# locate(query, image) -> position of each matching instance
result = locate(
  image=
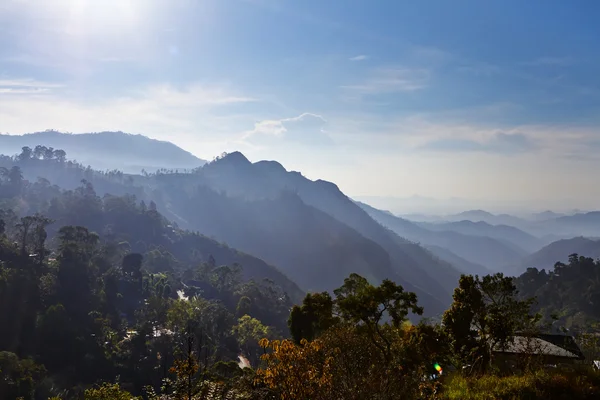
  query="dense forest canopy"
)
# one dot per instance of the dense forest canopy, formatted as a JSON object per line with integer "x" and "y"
{"x": 103, "y": 296}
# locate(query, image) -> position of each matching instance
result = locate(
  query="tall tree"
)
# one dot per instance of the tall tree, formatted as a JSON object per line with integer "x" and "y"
{"x": 485, "y": 315}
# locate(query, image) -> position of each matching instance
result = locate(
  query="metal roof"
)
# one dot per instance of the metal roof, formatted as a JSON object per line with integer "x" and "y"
{"x": 534, "y": 345}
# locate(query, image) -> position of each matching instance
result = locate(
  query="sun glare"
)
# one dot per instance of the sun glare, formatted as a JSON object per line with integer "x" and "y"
{"x": 113, "y": 13}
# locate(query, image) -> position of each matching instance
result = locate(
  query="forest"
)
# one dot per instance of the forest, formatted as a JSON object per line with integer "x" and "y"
{"x": 104, "y": 297}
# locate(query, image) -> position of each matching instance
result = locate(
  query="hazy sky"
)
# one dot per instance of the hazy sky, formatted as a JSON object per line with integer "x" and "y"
{"x": 490, "y": 100}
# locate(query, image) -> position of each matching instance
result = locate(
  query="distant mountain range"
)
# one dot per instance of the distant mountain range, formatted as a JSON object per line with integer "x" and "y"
{"x": 476, "y": 249}
{"x": 309, "y": 230}
{"x": 107, "y": 150}
{"x": 560, "y": 250}
{"x": 547, "y": 226}
{"x": 504, "y": 233}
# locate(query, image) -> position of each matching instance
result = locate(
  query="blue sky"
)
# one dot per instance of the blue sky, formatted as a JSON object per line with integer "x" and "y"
{"x": 494, "y": 101}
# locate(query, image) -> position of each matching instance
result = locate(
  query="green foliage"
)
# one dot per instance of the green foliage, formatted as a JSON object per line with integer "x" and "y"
{"x": 18, "y": 377}
{"x": 108, "y": 391}
{"x": 567, "y": 296}
{"x": 313, "y": 318}
{"x": 94, "y": 289}
{"x": 484, "y": 316}
{"x": 539, "y": 385}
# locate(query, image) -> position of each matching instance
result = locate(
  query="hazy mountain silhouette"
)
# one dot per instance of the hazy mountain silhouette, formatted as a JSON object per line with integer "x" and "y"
{"x": 504, "y": 233}
{"x": 545, "y": 215}
{"x": 238, "y": 177}
{"x": 463, "y": 265}
{"x": 489, "y": 252}
{"x": 107, "y": 150}
{"x": 560, "y": 250}
{"x": 278, "y": 216}
{"x": 492, "y": 219}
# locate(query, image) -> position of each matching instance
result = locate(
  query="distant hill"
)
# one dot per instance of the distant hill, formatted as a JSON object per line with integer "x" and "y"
{"x": 505, "y": 233}
{"x": 107, "y": 150}
{"x": 465, "y": 266}
{"x": 308, "y": 229}
{"x": 545, "y": 215}
{"x": 492, "y": 219}
{"x": 417, "y": 270}
{"x": 489, "y": 252}
{"x": 560, "y": 250}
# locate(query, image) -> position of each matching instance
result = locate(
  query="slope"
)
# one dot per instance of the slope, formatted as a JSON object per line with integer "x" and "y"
{"x": 107, "y": 150}
{"x": 504, "y": 233}
{"x": 464, "y": 266}
{"x": 236, "y": 176}
{"x": 141, "y": 227}
{"x": 485, "y": 251}
{"x": 241, "y": 203}
{"x": 557, "y": 251}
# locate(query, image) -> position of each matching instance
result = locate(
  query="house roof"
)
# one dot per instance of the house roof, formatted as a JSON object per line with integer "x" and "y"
{"x": 540, "y": 346}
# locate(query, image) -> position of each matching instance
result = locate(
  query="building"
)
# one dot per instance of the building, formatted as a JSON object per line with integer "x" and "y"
{"x": 543, "y": 349}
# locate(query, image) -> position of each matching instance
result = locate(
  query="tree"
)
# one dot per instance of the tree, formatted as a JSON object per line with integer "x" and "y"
{"x": 296, "y": 372}
{"x": 359, "y": 302}
{"x": 60, "y": 155}
{"x": 243, "y": 307}
{"x": 48, "y": 153}
{"x": 132, "y": 265}
{"x": 39, "y": 151}
{"x": 313, "y": 318}
{"x": 484, "y": 316}
{"x": 26, "y": 153}
{"x": 18, "y": 378}
{"x": 248, "y": 332}
{"x": 108, "y": 391}
{"x": 15, "y": 180}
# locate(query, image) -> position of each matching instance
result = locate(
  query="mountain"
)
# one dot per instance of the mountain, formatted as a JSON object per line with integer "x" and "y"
{"x": 492, "y": 219}
{"x": 585, "y": 224}
{"x": 133, "y": 226}
{"x": 505, "y": 233}
{"x": 237, "y": 178}
{"x": 309, "y": 229}
{"x": 482, "y": 250}
{"x": 567, "y": 294}
{"x": 107, "y": 150}
{"x": 560, "y": 250}
{"x": 545, "y": 215}
{"x": 463, "y": 265}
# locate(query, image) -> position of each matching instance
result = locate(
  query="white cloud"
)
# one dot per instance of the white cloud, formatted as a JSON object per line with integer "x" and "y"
{"x": 551, "y": 61}
{"x": 27, "y": 83}
{"x": 24, "y": 86}
{"x": 306, "y": 128}
{"x": 392, "y": 80}
{"x": 360, "y": 57}
{"x": 200, "y": 118}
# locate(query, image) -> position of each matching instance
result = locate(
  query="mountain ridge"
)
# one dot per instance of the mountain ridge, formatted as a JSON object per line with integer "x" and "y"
{"x": 108, "y": 149}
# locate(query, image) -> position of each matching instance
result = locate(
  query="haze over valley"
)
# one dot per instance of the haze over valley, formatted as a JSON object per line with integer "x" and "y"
{"x": 299, "y": 200}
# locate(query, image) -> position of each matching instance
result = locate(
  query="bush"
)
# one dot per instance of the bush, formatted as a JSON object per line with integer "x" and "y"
{"x": 561, "y": 384}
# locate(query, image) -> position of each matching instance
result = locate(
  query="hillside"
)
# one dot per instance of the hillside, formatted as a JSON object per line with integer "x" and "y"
{"x": 107, "y": 150}
{"x": 504, "y": 233}
{"x": 251, "y": 208}
{"x": 485, "y": 216}
{"x": 142, "y": 230}
{"x": 567, "y": 293}
{"x": 465, "y": 266}
{"x": 481, "y": 250}
{"x": 237, "y": 177}
{"x": 581, "y": 224}
{"x": 559, "y": 251}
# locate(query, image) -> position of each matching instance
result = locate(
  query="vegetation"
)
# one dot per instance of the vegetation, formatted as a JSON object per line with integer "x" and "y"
{"x": 104, "y": 298}
{"x": 568, "y": 295}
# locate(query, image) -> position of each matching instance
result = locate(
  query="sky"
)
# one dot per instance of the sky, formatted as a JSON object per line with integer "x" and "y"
{"x": 492, "y": 102}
